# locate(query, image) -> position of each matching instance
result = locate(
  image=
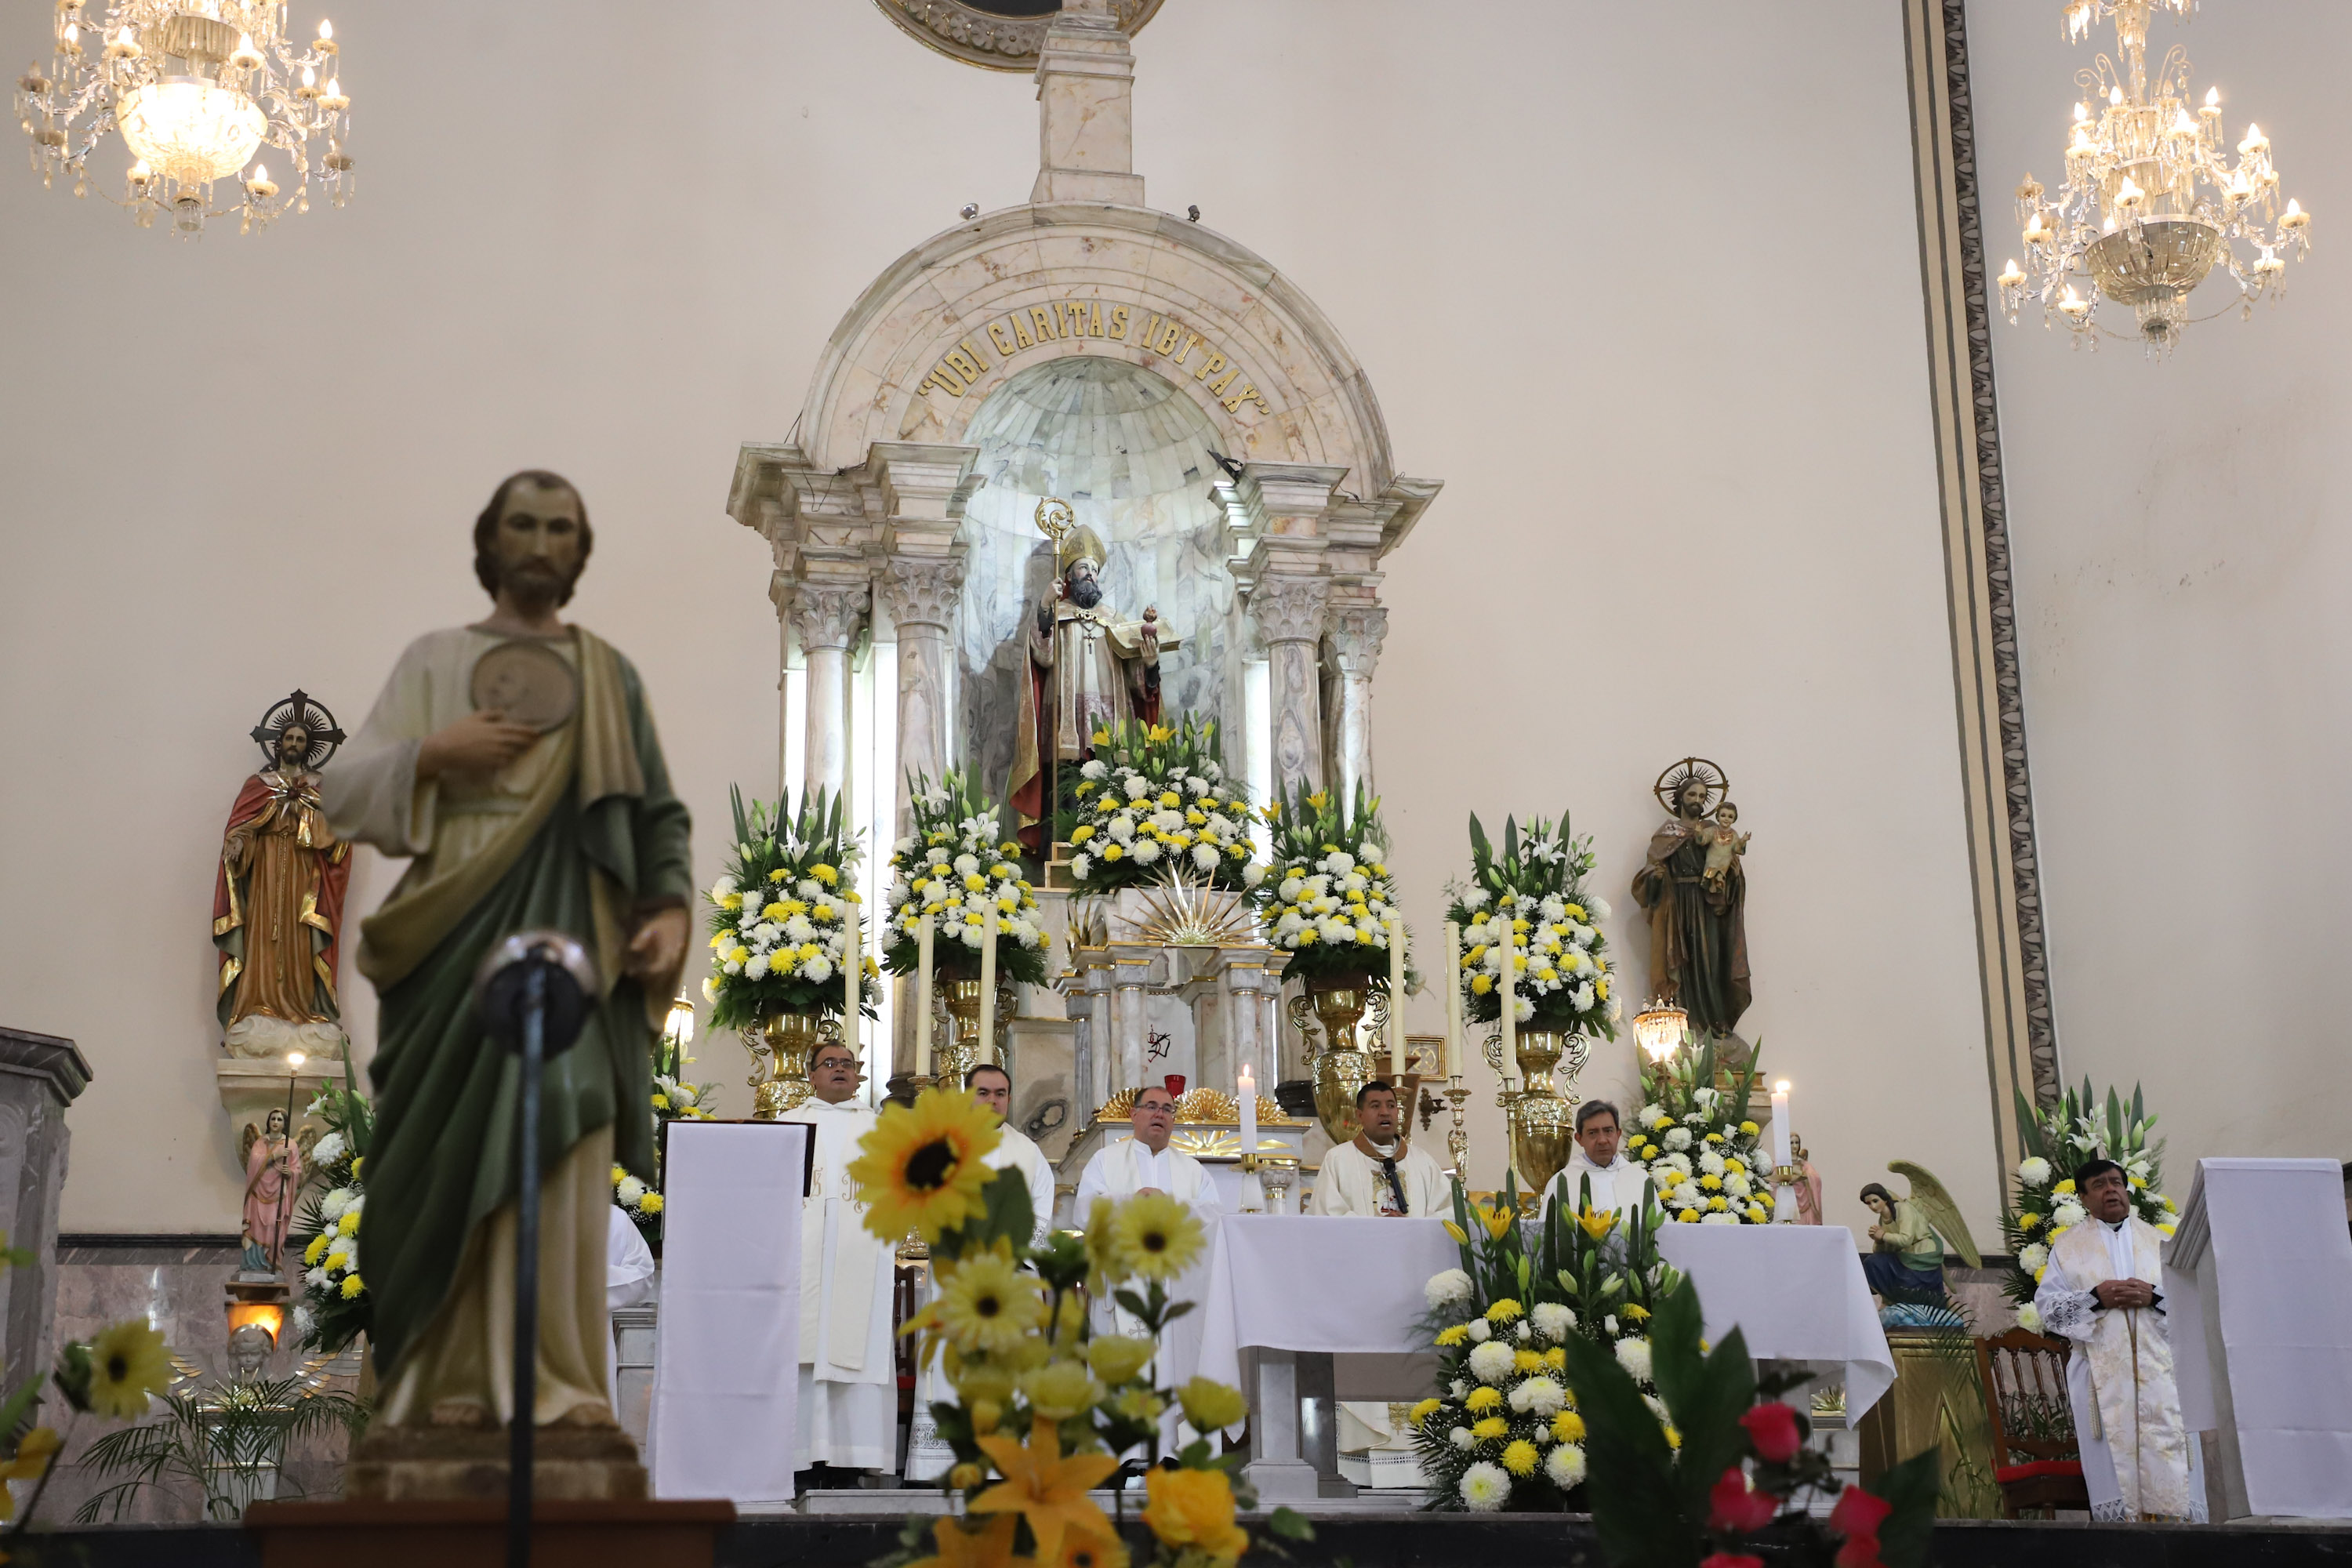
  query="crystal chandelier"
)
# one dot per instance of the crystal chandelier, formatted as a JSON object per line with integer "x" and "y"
{"x": 196, "y": 87}
{"x": 2151, "y": 202}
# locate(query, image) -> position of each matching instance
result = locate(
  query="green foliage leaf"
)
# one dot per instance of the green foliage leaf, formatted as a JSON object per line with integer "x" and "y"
{"x": 1910, "y": 1489}
{"x": 1011, "y": 1215}
{"x": 1290, "y": 1524}
{"x": 1637, "y": 1509}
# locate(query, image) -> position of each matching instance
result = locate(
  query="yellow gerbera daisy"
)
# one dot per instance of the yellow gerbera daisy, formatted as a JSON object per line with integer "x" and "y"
{"x": 922, "y": 1170}
{"x": 1158, "y": 1237}
{"x": 128, "y": 1362}
{"x": 986, "y": 1304}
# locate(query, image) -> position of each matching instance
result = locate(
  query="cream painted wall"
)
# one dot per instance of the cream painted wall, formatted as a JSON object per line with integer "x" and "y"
{"x": 1689, "y": 500}
{"x": 2182, "y": 570}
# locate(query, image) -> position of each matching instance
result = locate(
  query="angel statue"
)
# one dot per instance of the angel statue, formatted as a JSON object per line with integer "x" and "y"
{"x": 273, "y": 1174}
{"x": 1905, "y": 1263}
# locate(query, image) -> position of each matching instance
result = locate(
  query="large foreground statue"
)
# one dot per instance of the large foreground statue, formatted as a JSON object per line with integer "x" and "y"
{"x": 515, "y": 761}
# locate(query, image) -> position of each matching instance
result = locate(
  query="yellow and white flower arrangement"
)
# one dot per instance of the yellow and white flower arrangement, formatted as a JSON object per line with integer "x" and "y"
{"x": 1045, "y": 1404}
{"x": 1326, "y": 894}
{"x": 2058, "y": 1142}
{"x": 1153, "y": 799}
{"x": 1701, "y": 1147}
{"x": 961, "y": 869}
{"x": 1527, "y": 908}
{"x": 778, "y": 917}
{"x": 335, "y": 1306}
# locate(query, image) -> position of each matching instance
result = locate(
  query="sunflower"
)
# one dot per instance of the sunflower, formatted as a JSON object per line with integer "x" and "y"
{"x": 1157, "y": 1235}
{"x": 128, "y": 1362}
{"x": 987, "y": 1304}
{"x": 922, "y": 1170}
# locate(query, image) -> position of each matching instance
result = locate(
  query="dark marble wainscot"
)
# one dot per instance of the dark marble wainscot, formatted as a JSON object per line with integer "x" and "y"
{"x": 177, "y": 1282}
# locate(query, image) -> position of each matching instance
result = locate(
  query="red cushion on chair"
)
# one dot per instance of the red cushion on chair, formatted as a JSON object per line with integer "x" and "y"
{"x": 2009, "y": 1473}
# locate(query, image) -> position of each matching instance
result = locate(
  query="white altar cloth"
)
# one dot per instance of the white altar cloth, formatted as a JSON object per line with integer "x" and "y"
{"x": 2256, "y": 1281}
{"x": 1796, "y": 1292}
{"x": 727, "y": 1366}
{"x": 1301, "y": 1282}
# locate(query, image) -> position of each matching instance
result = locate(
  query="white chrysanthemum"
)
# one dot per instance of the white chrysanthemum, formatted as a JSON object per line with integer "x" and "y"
{"x": 2031, "y": 1257}
{"x": 758, "y": 967}
{"x": 1122, "y": 828}
{"x": 1719, "y": 1216}
{"x": 1540, "y": 1397}
{"x": 1253, "y": 873}
{"x": 1738, "y": 1185}
{"x": 818, "y": 969}
{"x": 965, "y": 864}
{"x": 1633, "y": 1355}
{"x": 1094, "y": 769}
{"x": 936, "y": 857}
{"x": 1205, "y": 855}
{"x": 1340, "y": 862}
{"x": 1706, "y": 1097}
{"x": 800, "y": 929}
{"x": 2069, "y": 1213}
{"x": 1681, "y": 1162}
{"x": 627, "y": 1191}
{"x": 809, "y": 888}
{"x": 1146, "y": 852}
{"x": 1677, "y": 1138}
{"x": 1485, "y": 1486}
{"x": 1583, "y": 997}
{"x": 2029, "y": 1318}
{"x": 1138, "y": 786}
{"x": 1449, "y": 1288}
{"x": 316, "y": 1279}
{"x": 1651, "y": 1115}
{"x": 1079, "y": 865}
{"x": 1710, "y": 1163}
{"x": 1480, "y": 1331}
{"x": 1553, "y": 1321}
{"x": 332, "y": 1205}
{"x": 1597, "y": 907}
{"x": 2033, "y": 1170}
{"x": 1458, "y": 1390}
{"x": 327, "y": 1150}
{"x": 1565, "y": 1466}
{"x": 1493, "y": 1362}
{"x": 1461, "y": 1438}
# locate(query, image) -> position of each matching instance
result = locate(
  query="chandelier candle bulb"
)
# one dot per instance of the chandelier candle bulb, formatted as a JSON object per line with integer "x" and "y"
{"x": 2010, "y": 275}
{"x": 1453, "y": 999}
{"x": 923, "y": 998}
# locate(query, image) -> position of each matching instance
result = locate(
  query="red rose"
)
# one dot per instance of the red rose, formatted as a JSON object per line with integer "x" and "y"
{"x": 1772, "y": 1429}
{"x": 1732, "y": 1507}
{"x": 1859, "y": 1552}
{"x": 1730, "y": 1559}
{"x": 1859, "y": 1512}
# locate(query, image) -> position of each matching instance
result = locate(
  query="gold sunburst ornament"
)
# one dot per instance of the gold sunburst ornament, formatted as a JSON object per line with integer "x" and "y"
{"x": 1180, "y": 912}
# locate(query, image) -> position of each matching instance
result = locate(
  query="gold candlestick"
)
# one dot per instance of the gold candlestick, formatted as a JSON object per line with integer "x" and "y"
{"x": 1457, "y": 1141}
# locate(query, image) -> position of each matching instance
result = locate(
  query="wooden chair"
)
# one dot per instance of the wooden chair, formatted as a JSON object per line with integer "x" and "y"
{"x": 2036, "y": 1461}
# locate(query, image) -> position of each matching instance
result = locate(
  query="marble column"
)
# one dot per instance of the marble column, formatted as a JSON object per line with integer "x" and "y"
{"x": 1289, "y": 612}
{"x": 1131, "y": 1019}
{"x": 40, "y": 1075}
{"x": 1356, "y": 633}
{"x": 826, "y": 618}
{"x": 921, "y": 593}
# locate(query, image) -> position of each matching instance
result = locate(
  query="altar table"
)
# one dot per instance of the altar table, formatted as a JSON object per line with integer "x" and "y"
{"x": 1300, "y": 1288}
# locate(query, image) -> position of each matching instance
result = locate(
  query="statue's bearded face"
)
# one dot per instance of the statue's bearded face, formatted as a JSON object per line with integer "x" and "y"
{"x": 293, "y": 747}
{"x": 1693, "y": 799}
{"x": 539, "y": 545}
{"x": 1085, "y": 587}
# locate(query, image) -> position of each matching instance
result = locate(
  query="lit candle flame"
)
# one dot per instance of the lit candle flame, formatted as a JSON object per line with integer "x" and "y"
{"x": 2212, "y": 97}
{"x": 2116, "y": 95}
{"x": 2081, "y": 112}
{"x": 326, "y": 28}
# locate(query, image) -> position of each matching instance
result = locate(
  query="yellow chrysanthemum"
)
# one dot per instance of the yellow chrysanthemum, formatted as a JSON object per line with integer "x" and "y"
{"x": 1425, "y": 1410}
{"x": 1751, "y": 1128}
{"x": 1483, "y": 1399}
{"x": 316, "y": 1250}
{"x": 1520, "y": 1457}
{"x": 353, "y": 1287}
{"x": 1635, "y": 1312}
{"x": 650, "y": 1204}
{"x": 128, "y": 1362}
{"x": 1673, "y": 1435}
{"x": 1525, "y": 1360}
{"x": 2026, "y": 1222}
{"x": 1081, "y": 833}
{"x": 1556, "y": 1359}
{"x": 2062, "y": 1188}
{"x": 1453, "y": 1333}
{"x": 1504, "y": 1311}
{"x": 826, "y": 874}
{"x": 1568, "y": 1426}
{"x": 1158, "y": 1237}
{"x": 1488, "y": 1430}
{"x": 921, "y": 1168}
{"x": 987, "y": 1304}
{"x": 1113, "y": 852}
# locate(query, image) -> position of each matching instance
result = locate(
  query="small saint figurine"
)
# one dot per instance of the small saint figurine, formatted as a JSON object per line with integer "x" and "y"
{"x": 278, "y": 894}
{"x": 273, "y": 1174}
{"x": 1088, "y": 672}
{"x": 1695, "y": 890}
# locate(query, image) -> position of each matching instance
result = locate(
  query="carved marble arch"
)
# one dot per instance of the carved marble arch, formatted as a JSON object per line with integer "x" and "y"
{"x": 900, "y": 367}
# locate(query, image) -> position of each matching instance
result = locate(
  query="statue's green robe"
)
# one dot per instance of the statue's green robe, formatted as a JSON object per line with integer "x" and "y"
{"x": 581, "y": 834}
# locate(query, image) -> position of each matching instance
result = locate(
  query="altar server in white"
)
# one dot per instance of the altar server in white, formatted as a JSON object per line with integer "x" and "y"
{"x": 1616, "y": 1181}
{"x": 1143, "y": 1162}
{"x": 929, "y": 1456}
{"x": 992, "y": 1087}
{"x": 849, "y": 1379}
{"x": 2099, "y": 1289}
{"x": 1380, "y": 1174}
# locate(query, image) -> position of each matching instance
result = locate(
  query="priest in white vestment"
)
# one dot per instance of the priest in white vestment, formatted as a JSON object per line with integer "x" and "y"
{"x": 1616, "y": 1181}
{"x": 928, "y": 1456}
{"x": 849, "y": 1377}
{"x": 1143, "y": 1162}
{"x": 1380, "y": 1174}
{"x": 2099, "y": 1289}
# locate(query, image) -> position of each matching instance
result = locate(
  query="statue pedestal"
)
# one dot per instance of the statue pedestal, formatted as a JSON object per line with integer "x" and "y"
{"x": 408, "y": 1465}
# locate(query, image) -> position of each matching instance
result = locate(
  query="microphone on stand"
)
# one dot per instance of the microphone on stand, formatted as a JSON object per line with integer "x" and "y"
{"x": 533, "y": 993}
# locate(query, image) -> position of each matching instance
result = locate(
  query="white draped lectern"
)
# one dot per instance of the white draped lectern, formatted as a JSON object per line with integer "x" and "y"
{"x": 2257, "y": 1281}
{"x": 726, "y": 1373}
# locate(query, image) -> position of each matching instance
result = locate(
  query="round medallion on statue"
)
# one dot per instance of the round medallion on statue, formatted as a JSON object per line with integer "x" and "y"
{"x": 998, "y": 35}
{"x": 528, "y": 682}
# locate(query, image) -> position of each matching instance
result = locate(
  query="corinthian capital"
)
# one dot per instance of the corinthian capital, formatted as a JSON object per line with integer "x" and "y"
{"x": 1290, "y": 609}
{"x": 1356, "y": 633}
{"x": 922, "y": 590}
{"x": 828, "y": 615}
